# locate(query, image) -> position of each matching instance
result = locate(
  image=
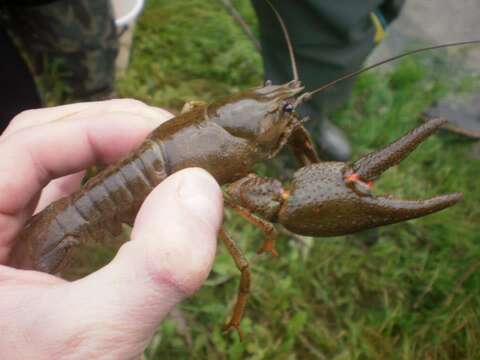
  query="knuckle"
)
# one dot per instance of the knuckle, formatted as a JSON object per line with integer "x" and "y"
{"x": 21, "y": 118}
{"x": 19, "y": 121}
{"x": 126, "y": 104}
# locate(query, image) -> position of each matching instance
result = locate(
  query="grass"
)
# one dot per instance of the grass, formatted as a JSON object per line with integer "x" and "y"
{"x": 414, "y": 293}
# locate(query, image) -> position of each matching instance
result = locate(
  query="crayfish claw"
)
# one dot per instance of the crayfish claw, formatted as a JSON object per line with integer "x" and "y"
{"x": 334, "y": 198}
{"x": 371, "y": 166}
{"x": 383, "y": 210}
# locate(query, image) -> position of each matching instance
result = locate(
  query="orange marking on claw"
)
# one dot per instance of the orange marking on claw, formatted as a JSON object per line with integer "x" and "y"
{"x": 356, "y": 178}
{"x": 352, "y": 178}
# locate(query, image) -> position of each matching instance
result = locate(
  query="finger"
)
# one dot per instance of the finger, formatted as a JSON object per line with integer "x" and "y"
{"x": 170, "y": 255}
{"x": 37, "y": 117}
{"x": 34, "y": 156}
{"x": 29, "y": 118}
{"x": 26, "y": 278}
{"x": 66, "y": 185}
{"x": 31, "y": 157}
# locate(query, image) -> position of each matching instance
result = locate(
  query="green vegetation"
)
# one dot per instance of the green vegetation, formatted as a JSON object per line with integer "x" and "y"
{"x": 414, "y": 293}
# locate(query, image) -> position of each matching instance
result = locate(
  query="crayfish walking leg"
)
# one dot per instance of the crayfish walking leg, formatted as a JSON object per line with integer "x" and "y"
{"x": 267, "y": 227}
{"x": 244, "y": 287}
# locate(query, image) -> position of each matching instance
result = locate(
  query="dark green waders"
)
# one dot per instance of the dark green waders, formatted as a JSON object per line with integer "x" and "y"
{"x": 330, "y": 39}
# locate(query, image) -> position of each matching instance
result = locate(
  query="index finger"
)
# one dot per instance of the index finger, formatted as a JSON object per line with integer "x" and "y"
{"x": 32, "y": 156}
{"x": 37, "y": 117}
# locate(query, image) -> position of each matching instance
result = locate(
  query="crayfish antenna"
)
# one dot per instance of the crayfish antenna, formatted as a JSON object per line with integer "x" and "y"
{"x": 371, "y": 166}
{"x": 308, "y": 95}
{"x": 288, "y": 40}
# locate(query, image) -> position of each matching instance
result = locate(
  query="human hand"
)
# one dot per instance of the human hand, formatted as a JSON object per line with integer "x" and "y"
{"x": 112, "y": 313}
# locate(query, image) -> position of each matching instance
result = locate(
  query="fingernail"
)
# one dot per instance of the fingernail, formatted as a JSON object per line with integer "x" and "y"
{"x": 199, "y": 193}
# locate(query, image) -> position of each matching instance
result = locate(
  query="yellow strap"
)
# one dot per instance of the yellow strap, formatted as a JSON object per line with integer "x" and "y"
{"x": 379, "y": 30}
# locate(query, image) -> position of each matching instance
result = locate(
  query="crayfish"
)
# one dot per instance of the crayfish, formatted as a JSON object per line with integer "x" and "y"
{"x": 226, "y": 138}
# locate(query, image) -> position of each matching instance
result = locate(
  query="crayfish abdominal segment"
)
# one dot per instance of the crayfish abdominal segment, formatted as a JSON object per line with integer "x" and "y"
{"x": 328, "y": 199}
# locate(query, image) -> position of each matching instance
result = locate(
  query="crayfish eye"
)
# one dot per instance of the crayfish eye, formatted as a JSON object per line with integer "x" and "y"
{"x": 287, "y": 108}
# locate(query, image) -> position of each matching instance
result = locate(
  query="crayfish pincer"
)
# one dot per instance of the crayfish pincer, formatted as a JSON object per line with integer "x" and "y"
{"x": 334, "y": 198}
{"x": 328, "y": 199}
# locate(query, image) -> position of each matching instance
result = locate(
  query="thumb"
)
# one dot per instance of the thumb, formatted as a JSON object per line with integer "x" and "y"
{"x": 170, "y": 255}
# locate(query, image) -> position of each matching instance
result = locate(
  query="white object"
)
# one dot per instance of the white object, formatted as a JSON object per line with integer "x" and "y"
{"x": 126, "y": 11}
{"x": 125, "y": 15}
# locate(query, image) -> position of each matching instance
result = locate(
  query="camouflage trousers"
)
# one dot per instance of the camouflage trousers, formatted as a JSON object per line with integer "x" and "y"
{"x": 71, "y": 43}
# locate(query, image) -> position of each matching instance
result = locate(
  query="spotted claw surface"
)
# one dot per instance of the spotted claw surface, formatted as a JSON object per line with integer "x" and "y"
{"x": 334, "y": 198}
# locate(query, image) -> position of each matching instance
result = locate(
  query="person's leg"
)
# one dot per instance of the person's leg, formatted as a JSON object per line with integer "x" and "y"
{"x": 77, "y": 38}
{"x": 18, "y": 90}
{"x": 330, "y": 39}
